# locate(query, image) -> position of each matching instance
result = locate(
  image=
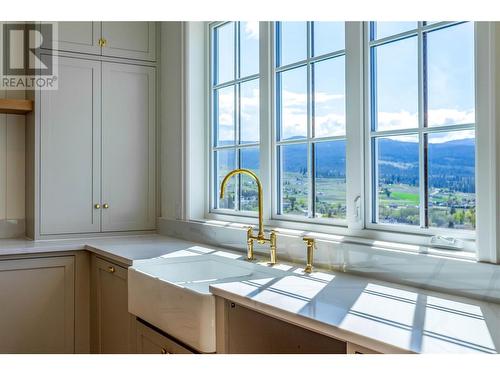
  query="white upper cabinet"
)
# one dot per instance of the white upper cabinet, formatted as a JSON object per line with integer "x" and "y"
{"x": 130, "y": 40}
{"x": 128, "y": 147}
{"x": 78, "y": 37}
{"x": 70, "y": 122}
{"x": 133, "y": 40}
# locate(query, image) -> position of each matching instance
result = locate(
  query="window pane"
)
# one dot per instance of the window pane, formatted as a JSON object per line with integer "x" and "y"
{"x": 328, "y": 37}
{"x": 450, "y": 71}
{"x": 385, "y": 29}
{"x": 249, "y": 111}
{"x": 294, "y": 179}
{"x": 398, "y": 179}
{"x": 330, "y": 183}
{"x": 292, "y": 42}
{"x": 249, "y": 159}
{"x": 395, "y": 80}
{"x": 225, "y": 162}
{"x": 292, "y": 96}
{"x": 249, "y": 48}
{"x": 224, "y": 36}
{"x": 329, "y": 97}
{"x": 452, "y": 198}
{"x": 224, "y": 115}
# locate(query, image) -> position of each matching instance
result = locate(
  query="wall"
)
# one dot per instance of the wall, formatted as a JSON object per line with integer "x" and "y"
{"x": 12, "y": 173}
{"x": 12, "y": 129}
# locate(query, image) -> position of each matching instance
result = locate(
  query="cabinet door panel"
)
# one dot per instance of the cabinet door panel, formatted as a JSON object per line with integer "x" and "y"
{"x": 70, "y": 144}
{"x": 133, "y": 40}
{"x": 77, "y": 37}
{"x": 37, "y": 299}
{"x": 152, "y": 342}
{"x": 111, "y": 322}
{"x": 128, "y": 147}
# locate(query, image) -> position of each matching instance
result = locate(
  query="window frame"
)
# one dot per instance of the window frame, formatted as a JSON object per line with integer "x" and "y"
{"x": 309, "y": 140}
{"x": 212, "y": 143}
{"x": 356, "y": 229}
{"x": 370, "y": 178}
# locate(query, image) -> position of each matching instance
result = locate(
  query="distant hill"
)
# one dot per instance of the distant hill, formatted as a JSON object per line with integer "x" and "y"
{"x": 451, "y": 164}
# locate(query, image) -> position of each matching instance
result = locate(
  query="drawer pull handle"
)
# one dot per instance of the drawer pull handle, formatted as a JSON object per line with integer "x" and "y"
{"x": 111, "y": 269}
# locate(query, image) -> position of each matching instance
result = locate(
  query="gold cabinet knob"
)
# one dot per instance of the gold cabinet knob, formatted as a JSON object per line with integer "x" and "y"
{"x": 111, "y": 269}
{"x": 97, "y": 206}
{"x": 102, "y": 42}
{"x": 105, "y": 205}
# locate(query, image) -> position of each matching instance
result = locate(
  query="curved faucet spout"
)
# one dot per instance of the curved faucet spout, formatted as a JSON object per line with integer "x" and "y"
{"x": 259, "y": 192}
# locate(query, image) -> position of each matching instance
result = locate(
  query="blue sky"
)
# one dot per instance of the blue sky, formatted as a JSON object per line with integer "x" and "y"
{"x": 450, "y": 79}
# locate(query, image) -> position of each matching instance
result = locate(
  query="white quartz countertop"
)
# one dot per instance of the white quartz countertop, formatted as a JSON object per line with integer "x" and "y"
{"x": 379, "y": 315}
{"x": 382, "y": 316}
{"x": 123, "y": 249}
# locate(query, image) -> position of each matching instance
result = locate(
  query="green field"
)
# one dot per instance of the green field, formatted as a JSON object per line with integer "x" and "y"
{"x": 398, "y": 203}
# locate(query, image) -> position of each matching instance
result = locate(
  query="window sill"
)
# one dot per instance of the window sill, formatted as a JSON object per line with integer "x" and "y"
{"x": 410, "y": 242}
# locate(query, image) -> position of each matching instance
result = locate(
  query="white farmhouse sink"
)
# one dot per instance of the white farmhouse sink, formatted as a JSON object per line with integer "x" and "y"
{"x": 173, "y": 293}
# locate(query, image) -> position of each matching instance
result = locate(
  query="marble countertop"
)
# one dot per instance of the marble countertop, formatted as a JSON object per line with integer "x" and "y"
{"x": 385, "y": 317}
{"x": 123, "y": 249}
{"x": 382, "y": 316}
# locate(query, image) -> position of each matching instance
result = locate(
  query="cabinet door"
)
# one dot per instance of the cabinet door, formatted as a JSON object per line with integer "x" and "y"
{"x": 133, "y": 40}
{"x": 70, "y": 125}
{"x": 151, "y": 342}
{"x": 128, "y": 147}
{"x": 80, "y": 37}
{"x": 111, "y": 324}
{"x": 37, "y": 305}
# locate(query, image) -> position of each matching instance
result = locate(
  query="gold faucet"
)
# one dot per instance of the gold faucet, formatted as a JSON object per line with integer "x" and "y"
{"x": 260, "y": 238}
{"x": 310, "y": 253}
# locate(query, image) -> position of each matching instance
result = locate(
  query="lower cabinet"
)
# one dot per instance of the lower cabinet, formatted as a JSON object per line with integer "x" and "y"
{"x": 112, "y": 327}
{"x": 37, "y": 299}
{"x": 250, "y": 332}
{"x": 358, "y": 349}
{"x": 149, "y": 341}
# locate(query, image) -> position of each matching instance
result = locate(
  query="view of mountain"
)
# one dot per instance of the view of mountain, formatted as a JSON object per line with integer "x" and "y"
{"x": 451, "y": 164}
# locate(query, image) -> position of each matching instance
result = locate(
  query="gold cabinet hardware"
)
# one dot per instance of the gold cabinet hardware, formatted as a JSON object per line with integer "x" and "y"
{"x": 310, "y": 243}
{"x": 260, "y": 237}
{"x": 97, "y": 206}
{"x": 102, "y": 42}
{"x": 111, "y": 269}
{"x": 105, "y": 205}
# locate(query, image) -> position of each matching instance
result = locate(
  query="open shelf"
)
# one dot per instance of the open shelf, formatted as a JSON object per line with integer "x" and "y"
{"x": 16, "y": 106}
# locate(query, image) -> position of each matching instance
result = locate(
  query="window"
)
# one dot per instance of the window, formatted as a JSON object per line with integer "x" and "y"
{"x": 310, "y": 119}
{"x": 422, "y": 124}
{"x": 368, "y": 129}
{"x": 234, "y": 90}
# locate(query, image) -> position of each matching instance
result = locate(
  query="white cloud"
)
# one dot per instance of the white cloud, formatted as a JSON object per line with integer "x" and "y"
{"x": 330, "y": 122}
{"x": 450, "y": 117}
{"x": 397, "y": 120}
{"x": 252, "y": 29}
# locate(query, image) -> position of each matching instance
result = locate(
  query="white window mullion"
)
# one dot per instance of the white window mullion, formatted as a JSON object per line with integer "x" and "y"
{"x": 421, "y": 136}
{"x": 487, "y": 141}
{"x": 265, "y": 121}
{"x": 355, "y": 108}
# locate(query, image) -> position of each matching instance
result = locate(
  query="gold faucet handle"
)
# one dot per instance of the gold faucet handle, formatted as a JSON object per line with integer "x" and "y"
{"x": 309, "y": 241}
{"x": 310, "y": 249}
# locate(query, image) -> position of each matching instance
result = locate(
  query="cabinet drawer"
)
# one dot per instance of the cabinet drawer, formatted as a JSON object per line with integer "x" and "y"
{"x": 150, "y": 341}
